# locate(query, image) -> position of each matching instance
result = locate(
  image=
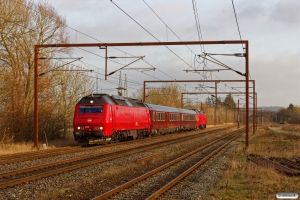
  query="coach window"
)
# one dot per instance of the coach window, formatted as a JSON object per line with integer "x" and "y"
{"x": 110, "y": 109}
{"x": 153, "y": 116}
{"x": 121, "y": 110}
{"x": 138, "y": 112}
{"x": 130, "y": 111}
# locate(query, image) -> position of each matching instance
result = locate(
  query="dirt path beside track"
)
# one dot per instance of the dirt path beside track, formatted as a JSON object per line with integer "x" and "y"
{"x": 279, "y": 129}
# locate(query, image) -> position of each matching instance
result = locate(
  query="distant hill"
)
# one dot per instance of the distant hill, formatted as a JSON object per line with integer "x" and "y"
{"x": 271, "y": 108}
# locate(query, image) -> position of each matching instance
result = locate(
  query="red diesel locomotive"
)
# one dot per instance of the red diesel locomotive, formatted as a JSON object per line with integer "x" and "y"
{"x": 101, "y": 118}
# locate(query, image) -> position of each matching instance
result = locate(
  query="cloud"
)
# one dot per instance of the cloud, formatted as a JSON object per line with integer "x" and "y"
{"x": 286, "y": 12}
{"x": 271, "y": 27}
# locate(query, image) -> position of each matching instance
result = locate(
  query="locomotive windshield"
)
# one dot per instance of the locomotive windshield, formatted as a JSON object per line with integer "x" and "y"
{"x": 90, "y": 109}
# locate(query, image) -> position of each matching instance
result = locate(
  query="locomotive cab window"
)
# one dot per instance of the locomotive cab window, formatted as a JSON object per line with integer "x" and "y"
{"x": 90, "y": 109}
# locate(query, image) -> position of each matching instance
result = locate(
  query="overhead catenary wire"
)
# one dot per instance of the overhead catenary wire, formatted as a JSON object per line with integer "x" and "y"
{"x": 98, "y": 40}
{"x": 168, "y": 27}
{"x": 198, "y": 24}
{"x": 222, "y": 64}
{"x": 149, "y": 32}
{"x": 77, "y": 31}
{"x": 237, "y": 24}
{"x": 200, "y": 38}
{"x": 116, "y": 83}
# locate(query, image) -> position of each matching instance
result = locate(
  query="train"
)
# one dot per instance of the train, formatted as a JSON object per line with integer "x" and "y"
{"x": 104, "y": 118}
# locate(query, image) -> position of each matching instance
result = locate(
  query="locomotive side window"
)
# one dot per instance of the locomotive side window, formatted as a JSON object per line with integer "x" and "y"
{"x": 121, "y": 110}
{"x": 90, "y": 109}
{"x": 110, "y": 109}
{"x": 130, "y": 111}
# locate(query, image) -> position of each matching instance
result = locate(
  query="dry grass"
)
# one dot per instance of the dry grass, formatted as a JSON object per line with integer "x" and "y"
{"x": 291, "y": 127}
{"x": 246, "y": 180}
{"x": 20, "y": 147}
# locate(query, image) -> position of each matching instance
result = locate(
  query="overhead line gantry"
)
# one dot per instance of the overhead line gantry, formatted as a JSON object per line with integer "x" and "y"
{"x": 106, "y": 45}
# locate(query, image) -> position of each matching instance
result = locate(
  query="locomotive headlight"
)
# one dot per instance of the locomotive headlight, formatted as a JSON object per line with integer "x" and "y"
{"x": 78, "y": 127}
{"x": 101, "y": 128}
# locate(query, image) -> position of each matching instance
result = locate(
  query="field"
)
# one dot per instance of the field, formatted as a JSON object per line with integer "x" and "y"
{"x": 242, "y": 179}
{"x": 246, "y": 180}
{"x": 19, "y": 147}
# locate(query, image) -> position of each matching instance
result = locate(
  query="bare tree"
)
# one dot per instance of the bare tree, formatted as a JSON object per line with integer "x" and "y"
{"x": 22, "y": 25}
{"x": 169, "y": 94}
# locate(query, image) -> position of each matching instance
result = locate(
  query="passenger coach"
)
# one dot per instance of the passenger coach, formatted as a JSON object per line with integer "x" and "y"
{"x": 166, "y": 119}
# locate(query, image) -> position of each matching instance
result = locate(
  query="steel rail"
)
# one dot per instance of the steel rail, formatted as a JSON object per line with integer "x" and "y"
{"x": 142, "y": 177}
{"x": 190, "y": 170}
{"x": 268, "y": 163}
{"x": 110, "y": 155}
{"x": 24, "y": 158}
{"x": 47, "y": 153}
{"x": 286, "y": 162}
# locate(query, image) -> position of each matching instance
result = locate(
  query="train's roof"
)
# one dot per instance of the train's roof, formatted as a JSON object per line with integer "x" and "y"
{"x": 169, "y": 109}
{"x": 187, "y": 111}
{"x": 161, "y": 108}
{"x": 111, "y": 99}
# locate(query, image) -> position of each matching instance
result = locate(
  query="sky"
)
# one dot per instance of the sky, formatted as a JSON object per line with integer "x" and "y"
{"x": 271, "y": 27}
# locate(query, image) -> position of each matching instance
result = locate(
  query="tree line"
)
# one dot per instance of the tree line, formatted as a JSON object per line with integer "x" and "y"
{"x": 291, "y": 114}
{"x": 24, "y": 24}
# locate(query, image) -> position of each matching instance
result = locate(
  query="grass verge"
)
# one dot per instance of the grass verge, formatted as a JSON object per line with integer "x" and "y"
{"x": 246, "y": 180}
{"x": 20, "y": 147}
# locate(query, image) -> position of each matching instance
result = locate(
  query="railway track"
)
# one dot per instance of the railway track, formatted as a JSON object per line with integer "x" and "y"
{"x": 15, "y": 177}
{"x": 166, "y": 176}
{"x": 282, "y": 165}
{"x": 7, "y": 159}
{"x": 18, "y": 155}
{"x": 14, "y": 158}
